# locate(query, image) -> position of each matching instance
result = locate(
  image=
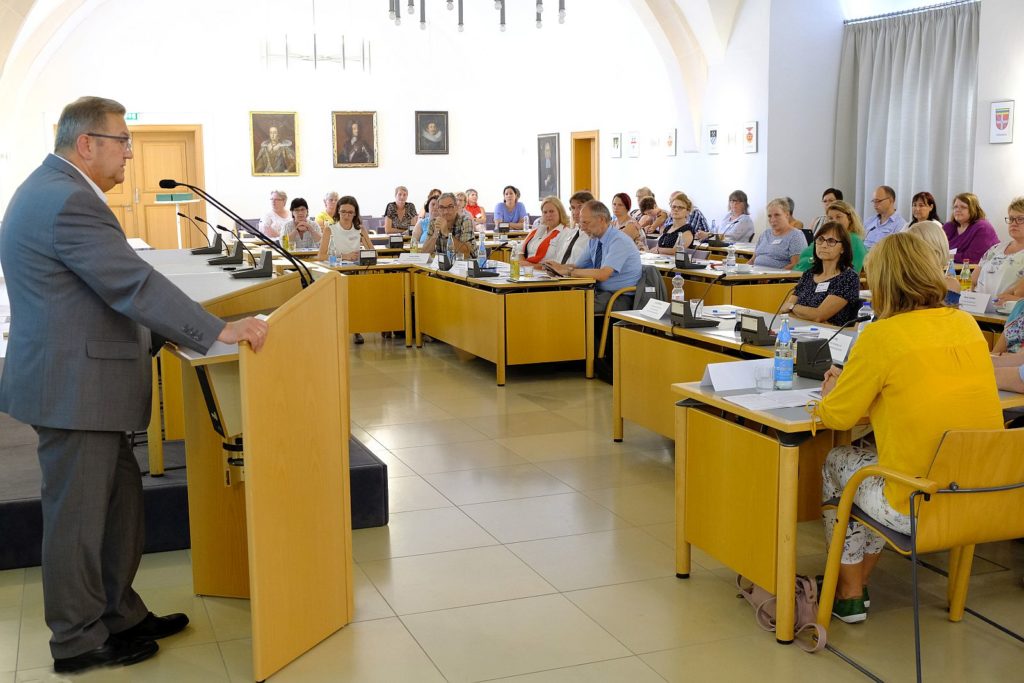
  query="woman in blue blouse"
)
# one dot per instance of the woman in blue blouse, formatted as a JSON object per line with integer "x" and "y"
{"x": 780, "y": 245}
{"x": 511, "y": 210}
{"x": 830, "y": 290}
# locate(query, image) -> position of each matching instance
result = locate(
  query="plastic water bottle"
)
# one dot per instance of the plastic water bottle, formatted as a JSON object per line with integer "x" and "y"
{"x": 784, "y": 352}
{"x": 965, "y": 276}
{"x": 514, "y": 263}
{"x": 481, "y": 252}
{"x": 730, "y": 259}
{"x": 865, "y": 310}
{"x": 285, "y": 242}
{"x": 450, "y": 247}
{"x": 951, "y": 269}
{"x": 714, "y": 228}
{"x": 678, "y": 296}
{"x": 332, "y": 255}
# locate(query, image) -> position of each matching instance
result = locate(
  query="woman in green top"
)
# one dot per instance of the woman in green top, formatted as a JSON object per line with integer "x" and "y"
{"x": 843, "y": 213}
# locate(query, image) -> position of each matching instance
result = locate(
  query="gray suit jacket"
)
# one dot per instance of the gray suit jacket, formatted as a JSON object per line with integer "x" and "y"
{"x": 82, "y": 307}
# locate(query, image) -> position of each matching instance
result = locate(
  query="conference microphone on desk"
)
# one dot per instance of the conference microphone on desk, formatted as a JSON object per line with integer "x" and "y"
{"x": 682, "y": 316}
{"x": 211, "y": 247}
{"x": 305, "y": 276}
{"x": 813, "y": 349}
{"x": 263, "y": 267}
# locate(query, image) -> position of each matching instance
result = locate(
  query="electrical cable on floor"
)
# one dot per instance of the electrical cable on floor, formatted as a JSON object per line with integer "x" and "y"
{"x": 839, "y": 653}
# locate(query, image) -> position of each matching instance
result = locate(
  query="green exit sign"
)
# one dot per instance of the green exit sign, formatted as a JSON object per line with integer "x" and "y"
{"x": 131, "y": 116}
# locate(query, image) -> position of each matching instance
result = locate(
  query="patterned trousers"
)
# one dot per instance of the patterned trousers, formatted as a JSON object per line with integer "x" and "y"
{"x": 840, "y": 465}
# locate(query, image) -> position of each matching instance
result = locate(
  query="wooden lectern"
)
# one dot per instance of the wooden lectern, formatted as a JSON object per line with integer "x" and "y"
{"x": 272, "y": 522}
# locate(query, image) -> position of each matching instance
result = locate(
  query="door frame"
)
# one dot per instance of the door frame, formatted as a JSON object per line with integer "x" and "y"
{"x": 595, "y": 158}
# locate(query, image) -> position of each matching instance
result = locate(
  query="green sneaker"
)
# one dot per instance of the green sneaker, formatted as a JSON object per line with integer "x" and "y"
{"x": 866, "y": 598}
{"x": 851, "y": 611}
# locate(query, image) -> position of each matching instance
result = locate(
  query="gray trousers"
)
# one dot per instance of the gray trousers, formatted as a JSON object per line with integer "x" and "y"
{"x": 92, "y": 537}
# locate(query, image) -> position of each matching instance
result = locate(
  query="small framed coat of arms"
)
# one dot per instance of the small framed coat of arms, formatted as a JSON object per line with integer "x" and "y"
{"x": 1001, "y": 122}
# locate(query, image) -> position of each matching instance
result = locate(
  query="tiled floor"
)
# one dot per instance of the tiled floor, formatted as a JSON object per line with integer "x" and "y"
{"x": 525, "y": 545}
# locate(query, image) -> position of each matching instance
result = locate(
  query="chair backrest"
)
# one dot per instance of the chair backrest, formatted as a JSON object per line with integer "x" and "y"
{"x": 973, "y": 459}
{"x": 650, "y": 286}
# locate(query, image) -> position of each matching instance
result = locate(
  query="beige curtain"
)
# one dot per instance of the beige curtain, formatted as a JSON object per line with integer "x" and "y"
{"x": 907, "y": 106}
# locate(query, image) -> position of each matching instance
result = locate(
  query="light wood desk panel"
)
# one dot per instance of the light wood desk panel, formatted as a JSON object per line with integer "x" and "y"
{"x": 507, "y": 323}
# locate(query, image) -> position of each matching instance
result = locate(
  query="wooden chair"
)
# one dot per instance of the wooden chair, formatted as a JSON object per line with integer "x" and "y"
{"x": 973, "y": 493}
{"x": 646, "y": 272}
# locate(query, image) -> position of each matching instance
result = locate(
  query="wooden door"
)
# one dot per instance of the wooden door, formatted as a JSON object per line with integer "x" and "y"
{"x": 120, "y": 200}
{"x": 159, "y": 152}
{"x": 585, "y": 162}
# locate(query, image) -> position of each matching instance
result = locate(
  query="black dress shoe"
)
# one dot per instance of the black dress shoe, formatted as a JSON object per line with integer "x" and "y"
{"x": 153, "y": 627}
{"x": 115, "y": 652}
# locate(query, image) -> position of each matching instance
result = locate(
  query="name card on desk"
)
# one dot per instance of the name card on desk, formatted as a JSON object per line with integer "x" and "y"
{"x": 974, "y": 302}
{"x": 655, "y": 309}
{"x": 839, "y": 347}
{"x": 420, "y": 259}
{"x": 734, "y": 375}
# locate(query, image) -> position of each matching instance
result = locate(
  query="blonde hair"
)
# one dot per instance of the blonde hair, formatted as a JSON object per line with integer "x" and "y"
{"x": 563, "y": 217}
{"x": 845, "y": 208}
{"x": 681, "y": 196}
{"x": 1016, "y": 205}
{"x": 902, "y": 275}
{"x": 782, "y": 203}
{"x": 934, "y": 237}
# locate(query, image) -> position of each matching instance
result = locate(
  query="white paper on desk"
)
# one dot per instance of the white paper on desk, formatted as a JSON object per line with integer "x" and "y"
{"x": 839, "y": 347}
{"x": 770, "y": 400}
{"x": 420, "y": 258}
{"x": 734, "y": 375}
{"x": 974, "y": 302}
{"x": 655, "y": 309}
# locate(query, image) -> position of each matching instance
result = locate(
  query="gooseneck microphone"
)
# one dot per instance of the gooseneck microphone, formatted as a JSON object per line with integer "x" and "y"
{"x": 221, "y": 228}
{"x": 196, "y": 226}
{"x": 707, "y": 289}
{"x": 815, "y": 367}
{"x": 305, "y": 276}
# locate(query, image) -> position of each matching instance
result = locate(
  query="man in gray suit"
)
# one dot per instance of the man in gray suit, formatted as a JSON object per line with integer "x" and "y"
{"x": 78, "y": 370}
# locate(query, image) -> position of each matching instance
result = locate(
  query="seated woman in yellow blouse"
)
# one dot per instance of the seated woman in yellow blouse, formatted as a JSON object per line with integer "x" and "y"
{"x": 904, "y": 372}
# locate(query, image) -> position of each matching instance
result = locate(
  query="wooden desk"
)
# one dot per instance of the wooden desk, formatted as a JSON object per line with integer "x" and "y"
{"x": 507, "y": 323}
{"x": 762, "y": 290}
{"x": 651, "y": 355}
{"x": 743, "y": 479}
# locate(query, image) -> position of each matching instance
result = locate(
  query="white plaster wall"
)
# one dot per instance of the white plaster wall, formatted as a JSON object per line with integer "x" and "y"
{"x": 603, "y": 69}
{"x": 806, "y": 42}
{"x": 999, "y": 169}
{"x": 597, "y": 71}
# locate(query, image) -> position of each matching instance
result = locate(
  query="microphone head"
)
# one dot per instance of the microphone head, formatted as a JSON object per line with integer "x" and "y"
{"x": 222, "y": 229}
{"x": 181, "y": 215}
{"x": 167, "y": 183}
{"x": 862, "y": 318}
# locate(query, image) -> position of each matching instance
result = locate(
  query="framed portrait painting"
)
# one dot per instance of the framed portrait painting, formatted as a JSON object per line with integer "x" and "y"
{"x": 273, "y": 138}
{"x": 547, "y": 164}
{"x": 355, "y": 139}
{"x": 431, "y": 132}
{"x": 616, "y": 145}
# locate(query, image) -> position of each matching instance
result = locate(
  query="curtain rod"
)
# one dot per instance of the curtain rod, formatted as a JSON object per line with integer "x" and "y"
{"x": 916, "y": 10}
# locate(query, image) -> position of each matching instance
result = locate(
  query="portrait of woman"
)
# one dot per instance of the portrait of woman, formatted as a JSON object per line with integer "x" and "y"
{"x": 272, "y": 138}
{"x": 355, "y": 139}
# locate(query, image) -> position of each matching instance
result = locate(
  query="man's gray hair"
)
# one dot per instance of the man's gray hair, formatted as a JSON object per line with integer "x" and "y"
{"x": 84, "y": 115}
{"x": 597, "y": 208}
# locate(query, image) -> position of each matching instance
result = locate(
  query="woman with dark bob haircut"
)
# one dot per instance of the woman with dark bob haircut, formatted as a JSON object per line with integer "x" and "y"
{"x": 830, "y": 290}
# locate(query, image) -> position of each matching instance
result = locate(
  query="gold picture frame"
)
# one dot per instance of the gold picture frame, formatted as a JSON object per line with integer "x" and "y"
{"x": 354, "y": 148}
{"x": 274, "y": 143}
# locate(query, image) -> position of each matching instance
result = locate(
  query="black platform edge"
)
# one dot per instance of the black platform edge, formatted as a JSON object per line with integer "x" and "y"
{"x": 166, "y": 506}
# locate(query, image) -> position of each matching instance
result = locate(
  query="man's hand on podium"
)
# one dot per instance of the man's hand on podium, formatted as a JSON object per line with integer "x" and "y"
{"x": 252, "y": 330}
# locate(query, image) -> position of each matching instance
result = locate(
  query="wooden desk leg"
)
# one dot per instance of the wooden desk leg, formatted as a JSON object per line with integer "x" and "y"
{"x": 419, "y": 328}
{"x": 785, "y": 571}
{"x": 500, "y": 342}
{"x": 589, "y": 317}
{"x": 407, "y": 285}
{"x": 682, "y": 547}
{"x": 154, "y": 432}
{"x": 616, "y": 383}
